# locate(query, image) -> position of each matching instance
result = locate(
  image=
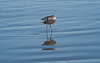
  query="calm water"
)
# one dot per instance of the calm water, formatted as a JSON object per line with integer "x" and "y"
{"x": 75, "y": 37}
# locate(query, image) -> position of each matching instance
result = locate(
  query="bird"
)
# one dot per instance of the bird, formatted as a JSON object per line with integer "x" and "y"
{"x": 49, "y": 20}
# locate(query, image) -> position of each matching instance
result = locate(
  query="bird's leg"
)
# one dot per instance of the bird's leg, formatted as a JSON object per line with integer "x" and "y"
{"x": 51, "y": 36}
{"x": 46, "y": 28}
{"x": 47, "y": 32}
{"x": 47, "y": 36}
{"x": 50, "y": 27}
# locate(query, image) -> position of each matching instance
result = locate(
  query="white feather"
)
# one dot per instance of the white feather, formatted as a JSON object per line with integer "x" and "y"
{"x": 54, "y": 18}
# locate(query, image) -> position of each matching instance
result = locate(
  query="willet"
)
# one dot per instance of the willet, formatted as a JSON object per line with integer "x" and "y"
{"x": 49, "y": 20}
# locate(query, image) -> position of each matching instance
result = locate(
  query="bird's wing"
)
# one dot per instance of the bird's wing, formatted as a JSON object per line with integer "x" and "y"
{"x": 45, "y": 17}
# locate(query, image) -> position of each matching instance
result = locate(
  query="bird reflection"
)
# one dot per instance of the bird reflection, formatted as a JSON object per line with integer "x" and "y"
{"x": 49, "y": 49}
{"x": 50, "y": 41}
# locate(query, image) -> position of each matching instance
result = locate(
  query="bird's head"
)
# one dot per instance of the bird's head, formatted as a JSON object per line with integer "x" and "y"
{"x": 52, "y": 15}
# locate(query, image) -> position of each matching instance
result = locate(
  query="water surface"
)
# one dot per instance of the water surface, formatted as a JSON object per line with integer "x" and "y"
{"x": 75, "y": 37}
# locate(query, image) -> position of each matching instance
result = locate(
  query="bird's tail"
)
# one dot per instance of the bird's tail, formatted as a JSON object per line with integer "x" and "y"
{"x": 42, "y": 22}
{"x": 42, "y": 19}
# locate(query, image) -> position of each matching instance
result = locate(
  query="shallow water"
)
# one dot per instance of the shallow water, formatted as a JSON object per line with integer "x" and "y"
{"x": 75, "y": 37}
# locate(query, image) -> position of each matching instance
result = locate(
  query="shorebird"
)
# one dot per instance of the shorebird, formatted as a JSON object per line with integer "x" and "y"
{"x": 49, "y": 20}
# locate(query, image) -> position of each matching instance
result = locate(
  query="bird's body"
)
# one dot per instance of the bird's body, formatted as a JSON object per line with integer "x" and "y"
{"x": 49, "y": 21}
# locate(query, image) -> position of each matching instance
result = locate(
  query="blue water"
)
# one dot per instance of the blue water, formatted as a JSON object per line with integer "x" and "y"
{"x": 75, "y": 37}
